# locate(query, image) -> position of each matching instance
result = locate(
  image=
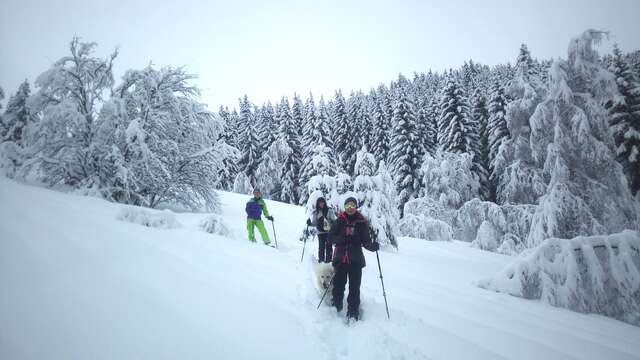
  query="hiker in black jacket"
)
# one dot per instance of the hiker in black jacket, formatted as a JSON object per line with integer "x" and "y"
{"x": 349, "y": 235}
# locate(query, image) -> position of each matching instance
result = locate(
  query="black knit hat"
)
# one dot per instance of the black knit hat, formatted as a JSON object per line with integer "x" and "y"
{"x": 351, "y": 199}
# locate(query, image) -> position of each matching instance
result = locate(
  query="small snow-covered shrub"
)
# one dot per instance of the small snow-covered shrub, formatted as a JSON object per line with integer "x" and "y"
{"x": 504, "y": 223}
{"x": 164, "y": 219}
{"x": 471, "y": 215}
{"x": 214, "y": 225}
{"x": 511, "y": 245}
{"x": 426, "y": 228}
{"x": 487, "y": 237}
{"x": 241, "y": 184}
{"x": 429, "y": 208}
{"x": 518, "y": 220}
{"x": 595, "y": 274}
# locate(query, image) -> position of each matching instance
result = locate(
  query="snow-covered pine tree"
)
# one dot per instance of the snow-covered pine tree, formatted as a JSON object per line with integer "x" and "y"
{"x": 373, "y": 203}
{"x": 348, "y": 138}
{"x": 3, "y": 128}
{"x": 225, "y": 117}
{"x": 322, "y": 167}
{"x": 290, "y": 167}
{"x": 516, "y": 177}
{"x": 431, "y": 144}
{"x": 341, "y": 131}
{"x": 480, "y": 115}
{"x": 455, "y": 126}
{"x": 67, "y": 102}
{"x": 587, "y": 193}
{"x": 268, "y": 127}
{"x": 269, "y": 173}
{"x": 229, "y": 170}
{"x": 422, "y": 124}
{"x": 309, "y": 123}
{"x": 364, "y": 130}
{"x": 17, "y": 118}
{"x": 250, "y": 151}
{"x": 380, "y": 140}
{"x": 297, "y": 118}
{"x": 405, "y": 154}
{"x": 497, "y": 132}
{"x": 625, "y": 119}
{"x": 526, "y": 67}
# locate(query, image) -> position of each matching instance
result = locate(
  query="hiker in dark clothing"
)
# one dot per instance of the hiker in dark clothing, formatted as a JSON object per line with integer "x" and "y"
{"x": 322, "y": 217}
{"x": 349, "y": 235}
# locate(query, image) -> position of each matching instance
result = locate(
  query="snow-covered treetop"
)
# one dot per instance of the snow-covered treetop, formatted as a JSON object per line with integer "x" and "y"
{"x": 365, "y": 163}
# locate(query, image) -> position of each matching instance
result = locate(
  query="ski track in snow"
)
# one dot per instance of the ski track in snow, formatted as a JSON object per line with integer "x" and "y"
{"x": 77, "y": 284}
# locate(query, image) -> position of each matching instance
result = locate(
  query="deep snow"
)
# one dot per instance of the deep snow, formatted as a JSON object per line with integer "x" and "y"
{"x": 77, "y": 283}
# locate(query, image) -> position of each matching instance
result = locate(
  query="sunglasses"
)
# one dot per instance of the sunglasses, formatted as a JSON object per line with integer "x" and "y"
{"x": 350, "y": 205}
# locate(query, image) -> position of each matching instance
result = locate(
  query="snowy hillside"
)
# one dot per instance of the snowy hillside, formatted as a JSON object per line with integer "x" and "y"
{"x": 77, "y": 283}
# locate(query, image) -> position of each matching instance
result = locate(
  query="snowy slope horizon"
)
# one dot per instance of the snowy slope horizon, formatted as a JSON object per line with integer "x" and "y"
{"x": 78, "y": 283}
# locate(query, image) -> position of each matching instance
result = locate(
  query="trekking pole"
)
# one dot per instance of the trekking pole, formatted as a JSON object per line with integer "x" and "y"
{"x": 326, "y": 291}
{"x": 384, "y": 294}
{"x": 306, "y": 235}
{"x": 274, "y": 233}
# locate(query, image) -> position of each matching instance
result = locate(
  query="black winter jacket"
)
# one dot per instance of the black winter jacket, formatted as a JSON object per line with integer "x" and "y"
{"x": 349, "y": 234}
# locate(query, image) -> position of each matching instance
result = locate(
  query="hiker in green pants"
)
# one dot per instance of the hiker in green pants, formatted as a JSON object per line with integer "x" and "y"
{"x": 255, "y": 207}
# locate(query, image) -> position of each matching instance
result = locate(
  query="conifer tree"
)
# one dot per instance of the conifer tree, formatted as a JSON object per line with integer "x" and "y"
{"x": 406, "y": 150}
{"x": 625, "y": 119}
{"x": 290, "y": 167}
{"x": 455, "y": 126}
{"x": 17, "y": 116}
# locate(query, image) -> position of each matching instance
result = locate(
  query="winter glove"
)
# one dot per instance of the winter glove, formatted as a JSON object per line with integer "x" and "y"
{"x": 308, "y": 222}
{"x": 270, "y": 218}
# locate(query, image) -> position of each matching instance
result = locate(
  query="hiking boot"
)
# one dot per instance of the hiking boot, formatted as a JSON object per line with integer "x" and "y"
{"x": 353, "y": 314}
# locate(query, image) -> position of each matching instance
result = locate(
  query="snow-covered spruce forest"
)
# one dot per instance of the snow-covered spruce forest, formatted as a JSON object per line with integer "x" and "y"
{"x": 509, "y": 157}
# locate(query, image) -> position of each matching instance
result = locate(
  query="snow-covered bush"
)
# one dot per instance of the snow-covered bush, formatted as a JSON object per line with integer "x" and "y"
{"x": 472, "y": 214}
{"x": 241, "y": 184}
{"x": 214, "y": 224}
{"x": 517, "y": 221}
{"x": 164, "y": 219}
{"x": 447, "y": 178}
{"x": 344, "y": 183}
{"x": 426, "y": 228}
{"x": 498, "y": 224}
{"x": 596, "y": 274}
{"x": 487, "y": 237}
{"x": 511, "y": 245}
{"x": 430, "y": 208}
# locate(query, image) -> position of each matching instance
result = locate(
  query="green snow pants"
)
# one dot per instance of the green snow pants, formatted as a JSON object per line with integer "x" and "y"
{"x": 263, "y": 231}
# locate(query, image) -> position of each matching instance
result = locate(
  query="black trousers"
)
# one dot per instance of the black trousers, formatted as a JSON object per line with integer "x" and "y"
{"x": 324, "y": 248}
{"x": 352, "y": 272}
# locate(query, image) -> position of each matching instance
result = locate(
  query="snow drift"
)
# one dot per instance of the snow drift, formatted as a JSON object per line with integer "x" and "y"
{"x": 596, "y": 274}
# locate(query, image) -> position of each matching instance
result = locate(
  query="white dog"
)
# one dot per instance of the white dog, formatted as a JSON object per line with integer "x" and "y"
{"x": 324, "y": 274}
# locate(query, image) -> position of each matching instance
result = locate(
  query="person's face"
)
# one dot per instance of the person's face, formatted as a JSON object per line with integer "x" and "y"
{"x": 257, "y": 194}
{"x": 321, "y": 204}
{"x": 350, "y": 208}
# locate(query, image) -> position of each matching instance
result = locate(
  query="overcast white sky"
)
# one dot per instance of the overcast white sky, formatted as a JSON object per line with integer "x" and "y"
{"x": 267, "y": 49}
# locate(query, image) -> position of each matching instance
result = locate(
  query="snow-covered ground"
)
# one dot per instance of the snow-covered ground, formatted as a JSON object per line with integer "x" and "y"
{"x": 77, "y": 283}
